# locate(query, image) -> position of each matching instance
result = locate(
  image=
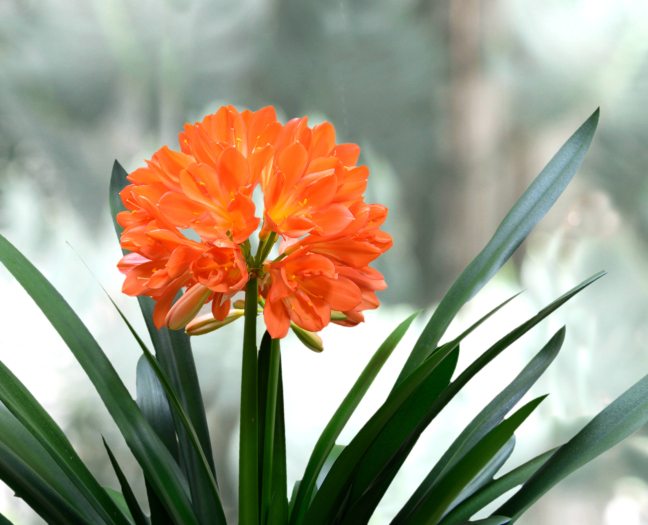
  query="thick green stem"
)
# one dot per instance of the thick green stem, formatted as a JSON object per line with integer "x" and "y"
{"x": 265, "y": 248}
{"x": 249, "y": 438}
{"x": 274, "y": 364}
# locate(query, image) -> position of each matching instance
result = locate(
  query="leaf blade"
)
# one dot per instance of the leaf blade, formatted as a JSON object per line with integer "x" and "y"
{"x": 147, "y": 448}
{"x": 488, "y": 418}
{"x": 326, "y": 441}
{"x": 619, "y": 419}
{"x": 525, "y": 214}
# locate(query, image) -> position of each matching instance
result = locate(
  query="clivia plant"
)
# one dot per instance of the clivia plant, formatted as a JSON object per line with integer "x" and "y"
{"x": 266, "y": 222}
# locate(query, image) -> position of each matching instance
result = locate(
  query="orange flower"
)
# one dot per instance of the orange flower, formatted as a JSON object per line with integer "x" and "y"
{"x": 190, "y": 215}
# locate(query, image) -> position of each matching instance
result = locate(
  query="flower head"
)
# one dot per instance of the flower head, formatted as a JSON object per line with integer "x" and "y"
{"x": 190, "y": 218}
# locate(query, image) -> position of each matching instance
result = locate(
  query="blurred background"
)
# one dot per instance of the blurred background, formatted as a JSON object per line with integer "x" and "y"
{"x": 457, "y": 105}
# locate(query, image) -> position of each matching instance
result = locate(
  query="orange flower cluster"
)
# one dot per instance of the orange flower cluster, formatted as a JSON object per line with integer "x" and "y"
{"x": 191, "y": 213}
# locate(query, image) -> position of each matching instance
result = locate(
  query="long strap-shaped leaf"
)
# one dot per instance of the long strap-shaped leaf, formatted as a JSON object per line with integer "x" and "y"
{"x": 38, "y": 422}
{"x": 139, "y": 518}
{"x": 493, "y": 490}
{"x": 490, "y": 416}
{"x": 35, "y": 491}
{"x": 527, "y": 212}
{"x": 173, "y": 350}
{"x": 154, "y": 406}
{"x": 326, "y": 441}
{"x": 387, "y": 453}
{"x": 272, "y": 452}
{"x": 622, "y": 417}
{"x": 211, "y": 501}
{"x": 435, "y": 371}
{"x": 22, "y": 447}
{"x": 158, "y": 465}
{"x": 435, "y": 505}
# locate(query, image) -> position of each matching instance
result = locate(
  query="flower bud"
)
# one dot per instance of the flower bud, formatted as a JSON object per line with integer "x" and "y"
{"x": 310, "y": 339}
{"x": 206, "y": 323}
{"x": 186, "y": 308}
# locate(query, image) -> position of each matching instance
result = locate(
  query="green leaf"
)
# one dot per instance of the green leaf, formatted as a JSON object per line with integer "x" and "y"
{"x": 156, "y": 461}
{"x": 119, "y": 500}
{"x": 330, "y": 499}
{"x": 383, "y": 458}
{"x": 155, "y": 408}
{"x": 493, "y": 520}
{"x": 154, "y": 405}
{"x": 173, "y": 351}
{"x": 518, "y": 223}
{"x": 127, "y": 493}
{"x": 486, "y": 474}
{"x": 272, "y": 455}
{"x": 118, "y": 181}
{"x": 432, "y": 376}
{"x": 488, "y": 418}
{"x": 432, "y": 508}
{"x": 39, "y": 424}
{"x": 328, "y": 464}
{"x": 269, "y": 368}
{"x": 4, "y": 520}
{"x": 622, "y": 417}
{"x": 326, "y": 441}
{"x": 22, "y": 448}
{"x": 37, "y": 493}
{"x": 493, "y": 490}
{"x": 279, "y": 504}
{"x": 210, "y": 509}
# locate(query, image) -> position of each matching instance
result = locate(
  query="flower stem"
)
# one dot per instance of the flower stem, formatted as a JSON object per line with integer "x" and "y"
{"x": 249, "y": 438}
{"x": 274, "y": 364}
{"x": 265, "y": 248}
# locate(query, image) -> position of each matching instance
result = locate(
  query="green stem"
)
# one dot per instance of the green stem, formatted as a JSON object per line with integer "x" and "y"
{"x": 249, "y": 438}
{"x": 274, "y": 364}
{"x": 265, "y": 248}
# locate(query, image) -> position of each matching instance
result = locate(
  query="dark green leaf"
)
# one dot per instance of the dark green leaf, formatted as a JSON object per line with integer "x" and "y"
{"x": 527, "y": 212}
{"x": 154, "y": 405}
{"x": 377, "y": 469}
{"x": 494, "y": 490}
{"x": 39, "y": 424}
{"x": 486, "y": 474}
{"x": 493, "y": 520}
{"x": 119, "y": 500}
{"x": 326, "y": 441}
{"x": 117, "y": 183}
{"x": 156, "y": 461}
{"x": 173, "y": 351}
{"x": 155, "y": 408}
{"x": 127, "y": 492}
{"x": 622, "y": 417}
{"x": 278, "y": 508}
{"x": 24, "y": 448}
{"x": 37, "y": 493}
{"x": 210, "y": 509}
{"x": 269, "y": 373}
{"x": 488, "y": 418}
{"x": 330, "y": 498}
{"x": 432, "y": 508}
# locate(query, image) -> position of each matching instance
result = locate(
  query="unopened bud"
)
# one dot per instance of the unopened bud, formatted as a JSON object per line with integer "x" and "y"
{"x": 240, "y": 304}
{"x": 186, "y": 308}
{"x": 206, "y": 323}
{"x": 310, "y": 339}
